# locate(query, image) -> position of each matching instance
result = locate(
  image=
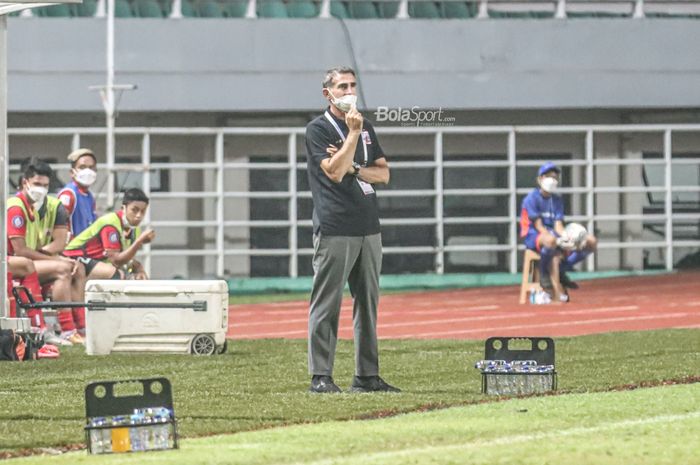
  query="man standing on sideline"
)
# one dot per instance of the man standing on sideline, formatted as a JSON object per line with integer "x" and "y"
{"x": 76, "y": 196}
{"x": 344, "y": 162}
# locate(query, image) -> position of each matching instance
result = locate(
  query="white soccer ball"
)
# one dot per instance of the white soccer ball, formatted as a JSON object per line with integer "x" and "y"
{"x": 576, "y": 234}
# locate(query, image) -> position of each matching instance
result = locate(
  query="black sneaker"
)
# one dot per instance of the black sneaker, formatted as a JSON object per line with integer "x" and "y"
{"x": 323, "y": 385}
{"x": 371, "y": 384}
{"x": 566, "y": 281}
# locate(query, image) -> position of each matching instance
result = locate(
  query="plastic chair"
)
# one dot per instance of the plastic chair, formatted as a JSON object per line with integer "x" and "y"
{"x": 210, "y": 9}
{"x": 338, "y": 10}
{"x": 187, "y": 9}
{"x": 148, "y": 9}
{"x": 301, "y": 9}
{"x": 457, "y": 10}
{"x": 56, "y": 11}
{"x": 362, "y": 10}
{"x": 236, "y": 8}
{"x": 425, "y": 10}
{"x": 271, "y": 9}
{"x": 388, "y": 10}
{"x": 86, "y": 9}
{"x": 122, "y": 9}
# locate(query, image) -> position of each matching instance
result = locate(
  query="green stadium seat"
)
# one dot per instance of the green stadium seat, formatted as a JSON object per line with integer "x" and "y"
{"x": 458, "y": 10}
{"x": 56, "y": 11}
{"x": 210, "y": 9}
{"x": 388, "y": 9}
{"x": 86, "y": 9}
{"x": 271, "y": 9}
{"x": 236, "y": 8}
{"x": 122, "y": 9}
{"x": 661, "y": 15}
{"x": 301, "y": 9}
{"x": 187, "y": 9}
{"x": 148, "y": 9}
{"x": 425, "y": 10}
{"x": 338, "y": 10}
{"x": 362, "y": 10}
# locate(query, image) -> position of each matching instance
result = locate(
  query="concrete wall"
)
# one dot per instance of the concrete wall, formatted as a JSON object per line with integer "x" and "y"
{"x": 276, "y": 65}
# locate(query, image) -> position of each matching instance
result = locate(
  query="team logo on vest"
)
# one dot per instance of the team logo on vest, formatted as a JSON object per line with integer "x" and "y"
{"x": 114, "y": 237}
{"x": 18, "y": 222}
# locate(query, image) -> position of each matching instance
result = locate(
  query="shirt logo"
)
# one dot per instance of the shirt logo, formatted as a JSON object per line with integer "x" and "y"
{"x": 366, "y": 138}
{"x": 114, "y": 238}
{"x": 65, "y": 200}
{"x": 17, "y": 222}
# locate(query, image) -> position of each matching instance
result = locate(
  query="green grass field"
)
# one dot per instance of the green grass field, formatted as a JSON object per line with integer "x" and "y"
{"x": 652, "y": 426}
{"x": 260, "y": 384}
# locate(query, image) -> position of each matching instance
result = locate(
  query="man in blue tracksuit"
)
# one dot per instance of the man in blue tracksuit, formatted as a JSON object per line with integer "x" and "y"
{"x": 542, "y": 228}
{"x": 76, "y": 196}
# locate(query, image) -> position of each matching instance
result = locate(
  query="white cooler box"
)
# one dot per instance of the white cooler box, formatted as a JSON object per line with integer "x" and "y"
{"x": 172, "y": 316}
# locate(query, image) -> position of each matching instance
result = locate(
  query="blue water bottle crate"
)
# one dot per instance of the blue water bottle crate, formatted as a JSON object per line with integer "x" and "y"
{"x": 517, "y": 366}
{"x": 130, "y": 423}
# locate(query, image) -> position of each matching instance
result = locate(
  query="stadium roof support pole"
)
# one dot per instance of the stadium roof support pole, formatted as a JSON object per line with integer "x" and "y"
{"x": 3, "y": 162}
{"x": 439, "y": 203}
{"x": 293, "y": 242}
{"x": 512, "y": 203}
{"x": 668, "y": 199}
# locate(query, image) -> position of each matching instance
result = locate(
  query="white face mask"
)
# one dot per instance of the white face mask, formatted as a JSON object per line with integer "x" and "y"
{"x": 125, "y": 222}
{"x": 549, "y": 185}
{"x": 85, "y": 177}
{"x": 344, "y": 103}
{"x": 37, "y": 194}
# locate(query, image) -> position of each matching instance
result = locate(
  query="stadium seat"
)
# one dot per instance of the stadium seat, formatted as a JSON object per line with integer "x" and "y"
{"x": 425, "y": 10}
{"x": 458, "y": 10}
{"x": 210, "y": 9}
{"x": 236, "y": 8}
{"x": 362, "y": 10}
{"x": 148, "y": 9}
{"x": 301, "y": 9}
{"x": 122, "y": 9}
{"x": 187, "y": 9}
{"x": 55, "y": 11}
{"x": 86, "y": 9}
{"x": 271, "y": 9}
{"x": 388, "y": 9}
{"x": 338, "y": 10}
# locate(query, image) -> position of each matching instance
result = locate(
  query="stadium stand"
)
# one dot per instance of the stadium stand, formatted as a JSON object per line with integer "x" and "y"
{"x": 386, "y": 9}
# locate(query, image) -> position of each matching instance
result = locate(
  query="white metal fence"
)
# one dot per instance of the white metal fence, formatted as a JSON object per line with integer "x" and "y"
{"x": 216, "y": 195}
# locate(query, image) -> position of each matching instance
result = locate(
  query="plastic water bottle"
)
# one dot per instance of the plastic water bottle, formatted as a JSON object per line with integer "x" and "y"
{"x": 136, "y": 432}
{"x": 97, "y": 437}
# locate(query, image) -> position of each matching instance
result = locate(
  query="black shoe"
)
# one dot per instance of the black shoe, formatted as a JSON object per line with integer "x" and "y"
{"x": 323, "y": 385}
{"x": 566, "y": 281}
{"x": 371, "y": 384}
{"x": 546, "y": 282}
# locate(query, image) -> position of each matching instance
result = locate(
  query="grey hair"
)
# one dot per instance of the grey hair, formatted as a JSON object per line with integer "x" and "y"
{"x": 333, "y": 72}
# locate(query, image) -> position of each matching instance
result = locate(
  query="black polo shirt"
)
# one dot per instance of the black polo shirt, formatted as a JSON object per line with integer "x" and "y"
{"x": 341, "y": 209}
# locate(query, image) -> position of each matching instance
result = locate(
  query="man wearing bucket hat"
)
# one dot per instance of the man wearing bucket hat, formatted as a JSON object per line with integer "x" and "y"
{"x": 76, "y": 196}
{"x": 542, "y": 228}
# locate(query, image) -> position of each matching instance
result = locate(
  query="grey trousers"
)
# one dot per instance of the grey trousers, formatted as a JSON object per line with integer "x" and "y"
{"x": 337, "y": 260}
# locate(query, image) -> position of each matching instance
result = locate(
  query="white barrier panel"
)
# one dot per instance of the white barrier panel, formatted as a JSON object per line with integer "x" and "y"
{"x": 174, "y": 316}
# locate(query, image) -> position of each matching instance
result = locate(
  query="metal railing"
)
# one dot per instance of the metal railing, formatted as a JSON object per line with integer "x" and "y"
{"x": 438, "y": 220}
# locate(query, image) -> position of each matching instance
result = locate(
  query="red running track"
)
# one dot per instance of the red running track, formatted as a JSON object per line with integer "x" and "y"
{"x": 599, "y": 306}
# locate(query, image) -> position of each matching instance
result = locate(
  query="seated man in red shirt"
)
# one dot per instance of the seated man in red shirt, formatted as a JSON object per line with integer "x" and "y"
{"x": 27, "y": 234}
{"x": 108, "y": 246}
